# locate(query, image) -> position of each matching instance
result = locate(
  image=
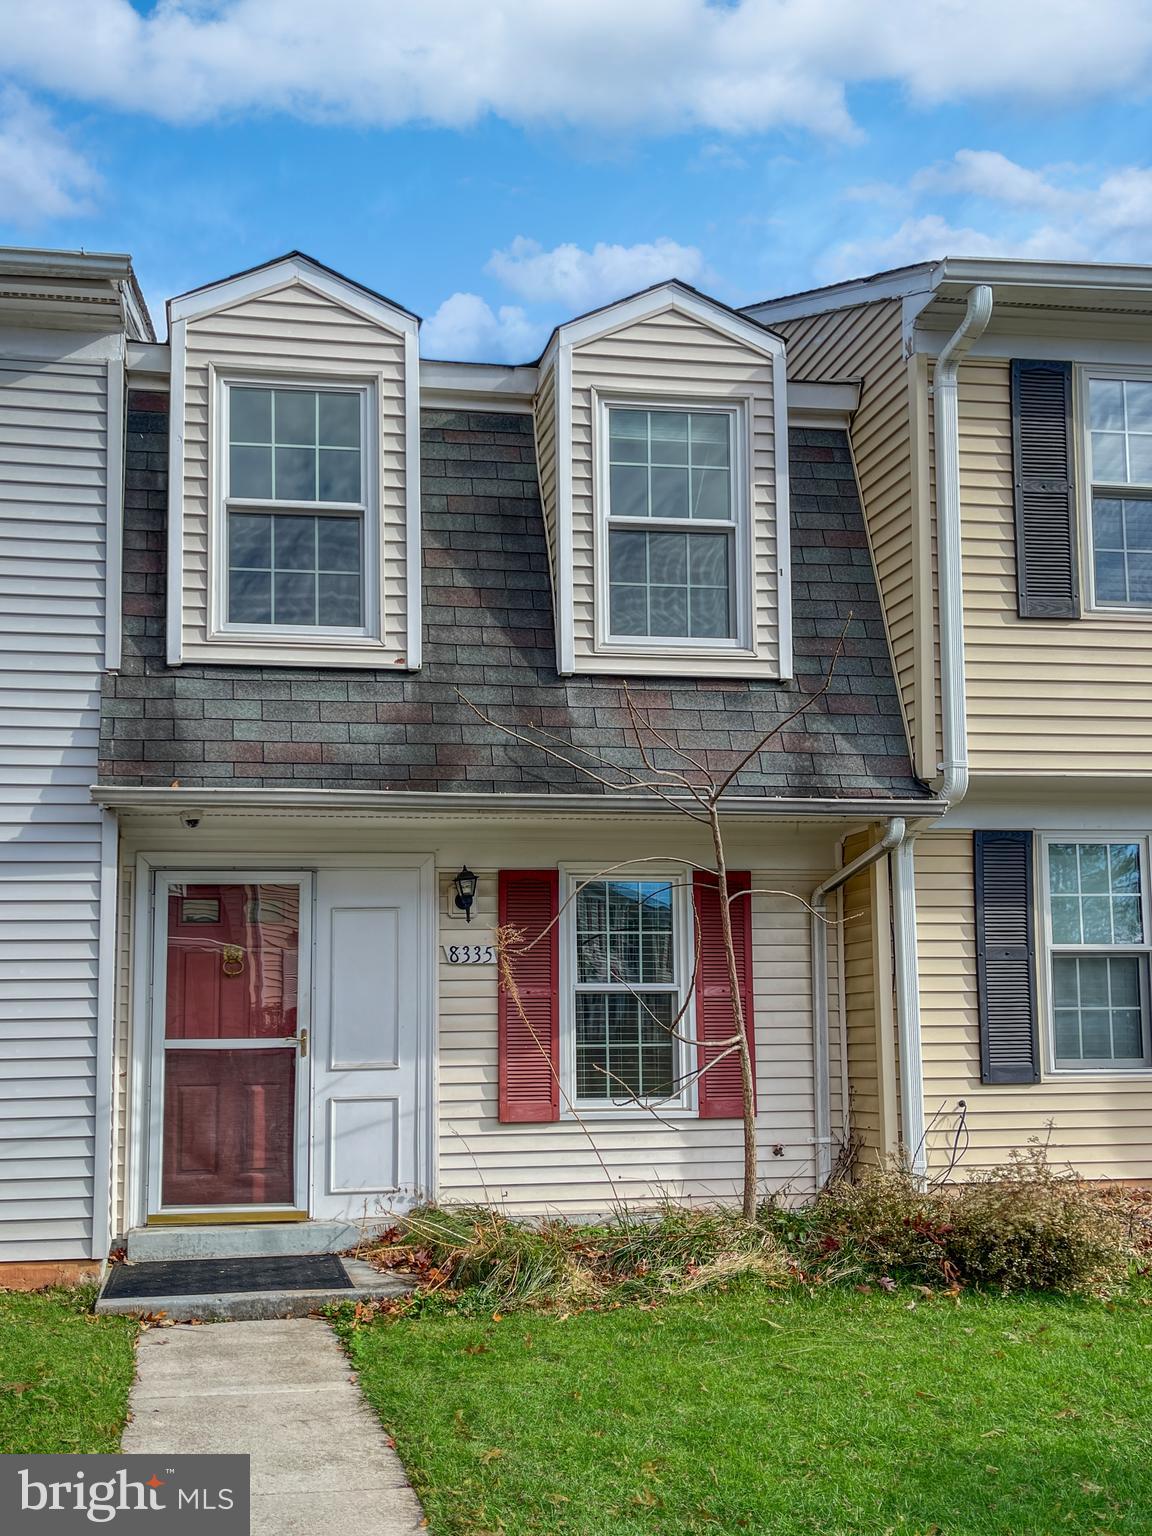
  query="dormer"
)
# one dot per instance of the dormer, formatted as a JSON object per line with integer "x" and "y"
{"x": 661, "y": 424}
{"x": 294, "y": 487}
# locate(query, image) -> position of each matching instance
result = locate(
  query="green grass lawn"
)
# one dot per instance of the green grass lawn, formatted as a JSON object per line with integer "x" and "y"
{"x": 64, "y": 1374}
{"x": 776, "y": 1412}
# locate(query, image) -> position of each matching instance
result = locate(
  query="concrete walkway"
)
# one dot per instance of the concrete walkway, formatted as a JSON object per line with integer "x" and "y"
{"x": 283, "y": 1393}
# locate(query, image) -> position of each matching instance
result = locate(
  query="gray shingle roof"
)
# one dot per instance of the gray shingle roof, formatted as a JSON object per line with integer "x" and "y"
{"x": 489, "y": 632}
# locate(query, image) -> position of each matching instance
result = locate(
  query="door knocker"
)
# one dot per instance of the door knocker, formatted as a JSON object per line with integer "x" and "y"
{"x": 233, "y": 962}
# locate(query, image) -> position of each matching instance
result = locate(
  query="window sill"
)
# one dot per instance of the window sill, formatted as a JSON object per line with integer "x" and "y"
{"x": 630, "y": 1113}
{"x": 284, "y": 649}
{"x": 1095, "y": 1074}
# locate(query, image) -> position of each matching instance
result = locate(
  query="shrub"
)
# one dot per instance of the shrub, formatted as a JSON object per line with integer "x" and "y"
{"x": 491, "y": 1261}
{"x": 1021, "y": 1226}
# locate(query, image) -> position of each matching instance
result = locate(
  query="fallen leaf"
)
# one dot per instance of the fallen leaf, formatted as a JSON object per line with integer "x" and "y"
{"x": 491, "y": 1455}
{"x": 16, "y": 1386}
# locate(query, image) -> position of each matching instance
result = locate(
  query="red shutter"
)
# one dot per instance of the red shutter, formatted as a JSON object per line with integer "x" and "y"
{"x": 530, "y": 1051}
{"x": 720, "y": 1093}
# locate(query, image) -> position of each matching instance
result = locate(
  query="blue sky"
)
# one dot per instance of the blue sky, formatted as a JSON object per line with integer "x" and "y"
{"x": 498, "y": 167}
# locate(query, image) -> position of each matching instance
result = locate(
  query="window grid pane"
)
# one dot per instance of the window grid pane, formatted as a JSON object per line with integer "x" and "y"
{"x": 1095, "y": 893}
{"x": 625, "y": 1046}
{"x": 1120, "y": 425}
{"x": 1122, "y": 549}
{"x": 294, "y": 444}
{"x": 1098, "y": 1008}
{"x": 670, "y": 585}
{"x": 1099, "y": 992}
{"x": 626, "y": 993}
{"x": 671, "y": 464}
{"x": 294, "y": 569}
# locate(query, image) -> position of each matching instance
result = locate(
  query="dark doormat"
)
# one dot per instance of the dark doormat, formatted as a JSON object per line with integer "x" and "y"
{"x": 204, "y": 1277}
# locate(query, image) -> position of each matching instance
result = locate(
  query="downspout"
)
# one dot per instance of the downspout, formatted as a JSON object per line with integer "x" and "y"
{"x": 949, "y": 579}
{"x": 893, "y": 837}
{"x": 953, "y": 715}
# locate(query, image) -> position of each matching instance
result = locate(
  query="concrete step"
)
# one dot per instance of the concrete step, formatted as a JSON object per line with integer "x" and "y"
{"x": 368, "y": 1284}
{"x": 246, "y": 1241}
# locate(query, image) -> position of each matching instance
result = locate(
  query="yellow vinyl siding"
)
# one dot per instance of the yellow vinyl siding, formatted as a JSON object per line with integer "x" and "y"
{"x": 868, "y": 1007}
{"x": 544, "y": 413}
{"x": 1044, "y": 696}
{"x": 864, "y": 342}
{"x": 1102, "y": 1127}
{"x": 678, "y": 356}
{"x": 297, "y": 331}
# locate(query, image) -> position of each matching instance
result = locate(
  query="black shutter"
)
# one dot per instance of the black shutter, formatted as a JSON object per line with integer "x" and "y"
{"x": 1047, "y": 586}
{"x": 1005, "y": 964}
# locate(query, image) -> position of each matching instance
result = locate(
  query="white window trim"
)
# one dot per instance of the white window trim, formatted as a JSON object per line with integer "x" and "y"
{"x": 220, "y": 627}
{"x": 1106, "y": 1072}
{"x": 685, "y": 1107}
{"x": 738, "y": 409}
{"x": 294, "y": 271}
{"x": 1082, "y": 433}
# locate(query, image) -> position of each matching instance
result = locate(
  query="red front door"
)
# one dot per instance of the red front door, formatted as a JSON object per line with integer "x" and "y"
{"x": 230, "y": 1050}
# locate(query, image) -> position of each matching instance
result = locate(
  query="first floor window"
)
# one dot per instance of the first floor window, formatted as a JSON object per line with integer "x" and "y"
{"x": 672, "y": 522}
{"x": 627, "y": 991}
{"x": 295, "y": 506}
{"x": 1099, "y": 979}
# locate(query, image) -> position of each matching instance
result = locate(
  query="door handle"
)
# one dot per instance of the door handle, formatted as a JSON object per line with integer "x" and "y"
{"x": 302, "y": 1042}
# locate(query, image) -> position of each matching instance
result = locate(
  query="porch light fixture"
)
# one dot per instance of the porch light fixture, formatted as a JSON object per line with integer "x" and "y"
{"x": 465, "y": 883}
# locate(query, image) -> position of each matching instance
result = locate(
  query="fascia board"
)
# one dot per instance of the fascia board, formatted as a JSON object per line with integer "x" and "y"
{"x": 236, "y": 290}
{"x": 647, "y": 306}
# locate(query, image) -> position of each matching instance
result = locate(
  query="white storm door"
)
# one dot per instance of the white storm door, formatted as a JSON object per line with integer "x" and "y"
{"x": 372, "y": 1066}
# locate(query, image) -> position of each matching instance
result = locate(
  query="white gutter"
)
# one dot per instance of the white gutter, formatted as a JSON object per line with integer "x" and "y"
{"x": 953, "y": 701}
{"x": 893, "y": 837}
{"x": 138, "y": 797}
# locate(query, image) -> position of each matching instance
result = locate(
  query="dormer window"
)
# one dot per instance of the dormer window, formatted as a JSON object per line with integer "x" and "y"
{"x": 661, "y": 429}
{"x": 672, "y": 521}
{"x": 294, "y": 479}
{"x": 296, "y": 507}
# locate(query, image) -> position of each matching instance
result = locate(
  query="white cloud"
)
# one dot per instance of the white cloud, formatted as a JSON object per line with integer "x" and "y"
{"x": 745, "y": 65}
{"x": 41, "y": 175}
{"x": 581, "y": 279}
{"x": 465, "y": 328}
{"x": 1056, "y": 213}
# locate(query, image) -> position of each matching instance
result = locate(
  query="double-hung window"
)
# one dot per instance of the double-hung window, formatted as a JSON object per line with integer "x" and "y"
{"x": 673, "y": 524}
{"x": 626, "y": 966}
{"x": 296, "y": 507}
{"x": 1119, "y": 414}
{"x": 1098, "y": 953}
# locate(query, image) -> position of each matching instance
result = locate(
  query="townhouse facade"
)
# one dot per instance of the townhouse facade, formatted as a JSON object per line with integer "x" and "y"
{"x": 373, "y": 635}
{"x": 1000, "y": 450}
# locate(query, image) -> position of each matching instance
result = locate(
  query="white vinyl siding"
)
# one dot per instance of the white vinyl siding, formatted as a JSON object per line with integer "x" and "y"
{"x": 53, "y": 510}
{"x": 569, "y": 1166}
{"x": 676, "y": 357}
{"x": 294, "y": 332}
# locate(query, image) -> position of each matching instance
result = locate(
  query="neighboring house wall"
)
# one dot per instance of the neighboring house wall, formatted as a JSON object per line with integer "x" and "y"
{"x": 865, "y": 342}
{"x": 1044, "y": 696}
{"x": 294, "y": 331}
{"x": 488, "y": 632}
{"x": 1102, "y": 1126}
{"x": 545, "y": 418}
{"x": 56, "y": 436}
